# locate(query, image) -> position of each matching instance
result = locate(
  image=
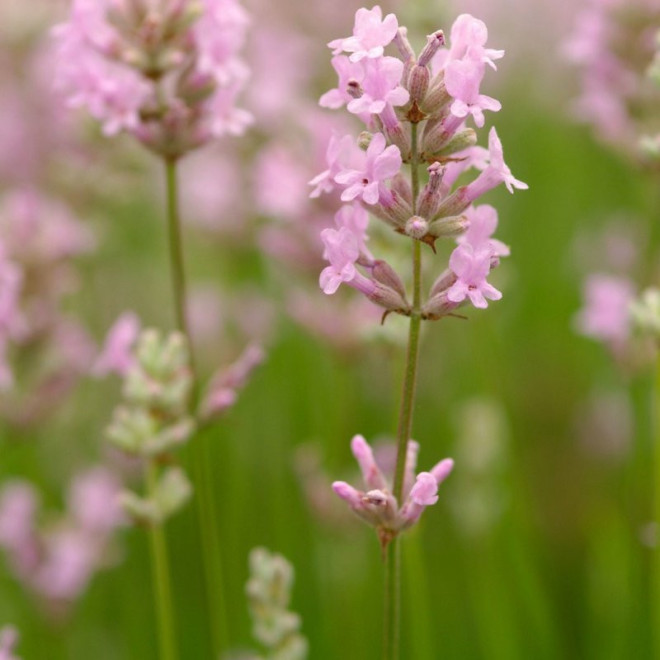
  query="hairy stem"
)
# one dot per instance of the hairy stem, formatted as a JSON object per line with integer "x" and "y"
{"x": 205, "y": 505}
{"x": 392, "y": 558}
{"x": 161, "y": 577}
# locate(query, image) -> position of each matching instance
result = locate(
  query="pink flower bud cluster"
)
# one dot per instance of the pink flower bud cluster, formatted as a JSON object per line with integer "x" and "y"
{"x": 376, "y": 505}
{"x": 613, "y": 45}
{"x": 439, "y": 92}
{"x": 39, "y": 238}
{"x": 167, "y": 72}
{"x": 57, "y": 560}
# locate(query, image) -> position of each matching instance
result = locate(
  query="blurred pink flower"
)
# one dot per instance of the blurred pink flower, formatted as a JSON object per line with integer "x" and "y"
{"x": 117, "y": 355}
{"x": 223, "y": 389}
{"x": 8, "y": 642}
{"x": 57, "y": 561}
{"x": 605, "y": 315}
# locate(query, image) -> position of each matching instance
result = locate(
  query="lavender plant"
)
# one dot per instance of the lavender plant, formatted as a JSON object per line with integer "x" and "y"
{"x": 415, "y": 110}
{"x": 168, "y": 73}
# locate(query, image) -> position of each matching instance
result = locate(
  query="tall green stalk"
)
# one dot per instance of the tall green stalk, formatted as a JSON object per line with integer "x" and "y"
{"x": 655, "y": 571}
{"x": 205, "y": 505}
{"x": 392, "y": 553}
{"x": 161, "y": 578}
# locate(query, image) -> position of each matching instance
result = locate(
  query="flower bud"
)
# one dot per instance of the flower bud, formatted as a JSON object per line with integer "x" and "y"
{"x": 416, "y": 227}
{"x": 403, "y": 45}
{"x": 453, "y": 205}
{"x": 437, "y": 307}
{"x": 364, "y": 140}
{"x": 430, "y": 197}
{"x": 445, "y": 280}
{"x": 394, "y": 131}
{"x": 384, "y": 273}
{"x": 434, "y": 42}
{"x": 390, "y": 299}
{"x": 437, "y": 96}
{"x": 392, "y": 208}
{"x": 401, "y": 186}
{"x": 459, "y": 142}
{"x": 449, "y": 227}
{"x": 418, "y": 83}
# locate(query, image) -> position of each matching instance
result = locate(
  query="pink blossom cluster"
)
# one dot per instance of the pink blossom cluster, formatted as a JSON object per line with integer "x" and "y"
{"x": 167, "y": 72}
{"x": 613, "y": 43}
{"x": 376, "y": 504}
{"x": 39, "y": 239}
{"x": 439, "y": 92}
{"x": 56, "y": 558}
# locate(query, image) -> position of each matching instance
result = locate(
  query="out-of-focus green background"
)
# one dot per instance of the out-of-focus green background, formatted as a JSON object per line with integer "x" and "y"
{"x": 536, "y": 547}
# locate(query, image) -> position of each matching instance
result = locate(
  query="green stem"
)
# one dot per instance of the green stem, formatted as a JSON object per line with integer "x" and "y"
{"x": 176, "y": 247}
{"x": 392, "y": 600}
{"x": 161, "y": 578}
{"x": 205, "y": 505}
{"x": 655, "y": 578}
{"x": 392, "y": 559}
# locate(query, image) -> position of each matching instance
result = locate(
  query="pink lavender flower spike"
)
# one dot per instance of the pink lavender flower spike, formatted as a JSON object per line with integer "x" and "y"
{"x": 376, "y": 505}
{"x": 117, "y": 355}
{"x": 371, "y": 33}
{"x": 379, "y": 164}
{"x": 8, "y": 643}
{"x": 471, "y": 268}
{"x": 606, "y": 312}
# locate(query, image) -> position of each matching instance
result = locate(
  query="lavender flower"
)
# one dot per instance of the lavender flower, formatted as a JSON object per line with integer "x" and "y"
{"x": 168, "y": 73}
{"x": 387, "y": 93}
{"x": 376, "y": 505}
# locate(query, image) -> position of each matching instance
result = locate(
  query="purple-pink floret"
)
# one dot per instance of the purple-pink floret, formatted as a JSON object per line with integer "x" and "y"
{"x": 376, "y": 504}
